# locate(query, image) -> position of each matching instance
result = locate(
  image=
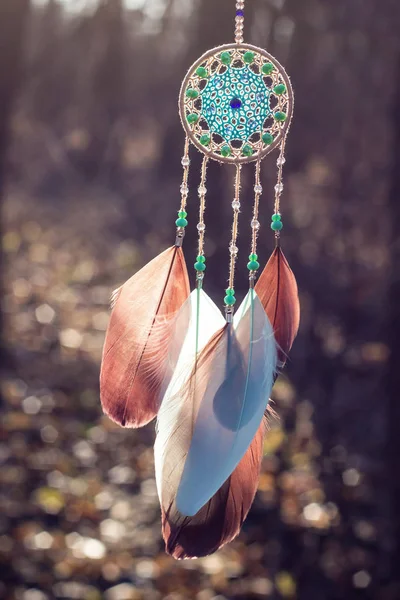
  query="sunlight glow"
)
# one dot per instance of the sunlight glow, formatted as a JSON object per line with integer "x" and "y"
{"x": 82, "y": 6}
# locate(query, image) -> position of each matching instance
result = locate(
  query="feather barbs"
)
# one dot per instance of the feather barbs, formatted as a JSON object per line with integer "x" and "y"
{"x": 206, "y": 427}
{"x": 134, "y": 357}
{"x": 277, "y": 290}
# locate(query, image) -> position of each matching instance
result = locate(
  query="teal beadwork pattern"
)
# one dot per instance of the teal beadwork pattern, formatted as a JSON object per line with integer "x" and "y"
{"x": 250, "y": 92}
{"x": 236, "y": 103}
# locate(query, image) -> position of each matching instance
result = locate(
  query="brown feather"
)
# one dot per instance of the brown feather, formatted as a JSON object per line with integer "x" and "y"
{"x": 134, "y": 361}
{"x": 277, "y": 290}
{"x": 221, "y": 519}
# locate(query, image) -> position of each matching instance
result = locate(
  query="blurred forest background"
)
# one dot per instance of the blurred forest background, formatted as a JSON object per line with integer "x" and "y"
{"x": 90, "y": 149}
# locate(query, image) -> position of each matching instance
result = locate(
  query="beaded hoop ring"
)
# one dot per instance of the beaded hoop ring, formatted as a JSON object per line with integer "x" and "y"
{"x": 236, "y": 103}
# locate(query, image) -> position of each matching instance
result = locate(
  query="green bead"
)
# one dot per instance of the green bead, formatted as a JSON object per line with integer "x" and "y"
{"x": 225, "y": 150}
{"x": 248, "y": 57}
{"x": 200, "y": 266}
{"x": 191, "y": 93}
{"x": 253, "y": 265}
{"x": 226, "y": 58}
{"x": 280, "y": 116}
{"x": 182, "y": 214}
{"x": 253, "y": 257}
{"x": 267, "y": 68}
{"x": 201, "y": 258}
{"x": 230, "y": 292}
{"x": 247, "y": 150}
{"x": 192, "y": 118}
{"x": 181, "y": 222}
{"x": 201, "y": 72}
{"x": 280, "y": 89}
{"x": 229, "y": 300}
{"x": 276, "y": 217}
{"x": 205, "y": 140}
{"x": 267, "y": 138}
{"x": 276, "y": 225}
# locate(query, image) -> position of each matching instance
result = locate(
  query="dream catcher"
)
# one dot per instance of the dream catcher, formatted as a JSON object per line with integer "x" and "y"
{"x": 171, "y": 353}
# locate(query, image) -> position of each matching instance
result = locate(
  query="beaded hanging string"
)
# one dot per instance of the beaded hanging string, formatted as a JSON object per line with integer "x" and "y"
{"x": 239, "y": 21}
{"x": 181, "y": 221}
{"x": 200, "y": 264}
{"x": 276, "y": 224}
{"x": 233, "y": 249}
{"x": 253, "y": 265}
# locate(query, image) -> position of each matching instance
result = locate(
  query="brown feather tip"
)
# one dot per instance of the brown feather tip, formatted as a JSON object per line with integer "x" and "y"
{"x": 221, "y": 519}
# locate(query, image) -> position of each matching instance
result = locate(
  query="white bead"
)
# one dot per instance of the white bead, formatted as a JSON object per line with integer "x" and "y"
{"x": 281, "y": 161}
{"x": 202, "y": 190}
{"x": 184, "y": 189}
{"x": 258, "y": 189}
{"x": 201, "y": 227}
{"x": 185, "y": 161}
{"x": 200, "y": 276}
{"x": 279, "y": 188}
{"x": 255, "y": 224}
{"x": 233, "y": 249}
{"x": 236, "y": 205}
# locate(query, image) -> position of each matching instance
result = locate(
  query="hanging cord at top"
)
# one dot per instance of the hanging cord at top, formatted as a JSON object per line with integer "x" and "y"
{"x": 239, "y": 21}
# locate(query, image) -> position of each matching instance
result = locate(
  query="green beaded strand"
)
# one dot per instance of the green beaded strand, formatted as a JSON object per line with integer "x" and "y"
{"x": 200, "y": 264}
{"x": 276, "y": 224}
{"x": 181, "y": 221}
{"x": 253, "y": 264}
{"x": 230, "y": 299}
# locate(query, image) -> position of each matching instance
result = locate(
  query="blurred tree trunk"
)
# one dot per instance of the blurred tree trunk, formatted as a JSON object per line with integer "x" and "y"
{"x": 392, "y": 379}
{"x": 13, "y": 14}
{"x": 109, "y": 79}
{"x": 339, "y": 53}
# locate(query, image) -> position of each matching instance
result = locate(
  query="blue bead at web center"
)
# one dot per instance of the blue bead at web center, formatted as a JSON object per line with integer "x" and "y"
{"x": 236, "y": 103}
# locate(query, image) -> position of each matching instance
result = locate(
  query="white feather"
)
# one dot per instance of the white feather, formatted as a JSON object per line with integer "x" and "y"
{"x": 205, "y": 320}
{"x": 232, "y": 407}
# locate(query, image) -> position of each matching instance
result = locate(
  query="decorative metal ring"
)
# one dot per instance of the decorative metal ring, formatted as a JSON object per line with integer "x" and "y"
{"x": 236, "y": 103}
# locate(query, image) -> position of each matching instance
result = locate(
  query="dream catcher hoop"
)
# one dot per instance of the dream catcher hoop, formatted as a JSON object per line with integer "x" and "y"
{"x": 236, "y": 103}
{"x": 171, "y": 353}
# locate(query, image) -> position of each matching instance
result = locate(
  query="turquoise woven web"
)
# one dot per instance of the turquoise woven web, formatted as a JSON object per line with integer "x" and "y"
{"x": 235, "y": 84}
